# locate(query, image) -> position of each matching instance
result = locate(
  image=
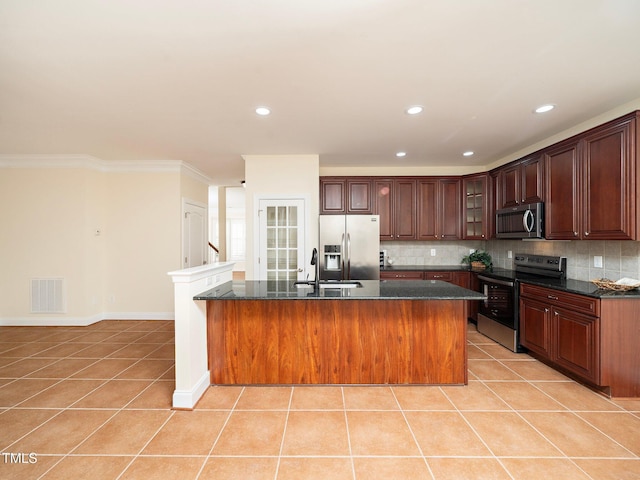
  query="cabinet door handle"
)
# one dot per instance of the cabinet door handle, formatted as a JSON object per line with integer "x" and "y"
{"x": 552, "y": 297}
{"x": 586, "y": 234}
{"x": 575, "y": 234}
{"x": 546, "y": 310}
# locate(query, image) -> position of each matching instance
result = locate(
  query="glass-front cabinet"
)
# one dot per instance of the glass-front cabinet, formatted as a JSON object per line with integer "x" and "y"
{"x": 475, "y": 207}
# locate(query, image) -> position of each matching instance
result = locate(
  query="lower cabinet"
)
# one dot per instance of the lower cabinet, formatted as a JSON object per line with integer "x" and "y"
{"x": 562, "y": 328}
{"x": 535, "y": 326}
{"x": 401, "y": 275}
{"x": 577, "y": 343}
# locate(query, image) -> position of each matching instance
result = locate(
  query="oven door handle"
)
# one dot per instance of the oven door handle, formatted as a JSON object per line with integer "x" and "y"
{"x": 506, "y": 283}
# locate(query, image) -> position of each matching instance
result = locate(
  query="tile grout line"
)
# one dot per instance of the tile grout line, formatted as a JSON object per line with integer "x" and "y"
{"x": 568, "y": 410}
{"x": 224, "y": 425}
{"x": 346, "y": 422}
{"x": 116, "y": 412}
{"x": 284, "y": 432}
{"x": 402, "y": 411}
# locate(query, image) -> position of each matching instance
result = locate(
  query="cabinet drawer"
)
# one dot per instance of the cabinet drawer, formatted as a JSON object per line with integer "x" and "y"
{"x": 408, "y": 275}
{"x": 578, "y": 303}
{"x": 444, "y": 276}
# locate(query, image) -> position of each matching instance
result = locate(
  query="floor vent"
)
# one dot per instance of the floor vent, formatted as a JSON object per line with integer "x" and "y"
{"x": 47, "y": 295}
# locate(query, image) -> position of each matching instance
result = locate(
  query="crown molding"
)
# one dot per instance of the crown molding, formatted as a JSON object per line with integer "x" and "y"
{"x": 191, "y": 171}
{"x": 93, "y": 163}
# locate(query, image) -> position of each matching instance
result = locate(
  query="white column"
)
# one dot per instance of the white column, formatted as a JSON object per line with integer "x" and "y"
{"x": 192, "y": 374}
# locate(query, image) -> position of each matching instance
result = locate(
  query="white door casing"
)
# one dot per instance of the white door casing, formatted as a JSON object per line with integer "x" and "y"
{"x": 281, "y": 239}
{"x": 194, "y": 233}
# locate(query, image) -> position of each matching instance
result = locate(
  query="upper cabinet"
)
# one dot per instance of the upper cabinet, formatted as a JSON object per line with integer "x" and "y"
{"x": 475, "y": 207}
{"x": 439, "y": 208}
{"x": 332, "y": 195}
{"x": 521, "y": 182}
{"x": 395, "y": 202}
{"x": 591, "y": 184}
{"x": 359, "y": 198}
{"x": 562, "y": 208}
{"x": 345, "y": 195}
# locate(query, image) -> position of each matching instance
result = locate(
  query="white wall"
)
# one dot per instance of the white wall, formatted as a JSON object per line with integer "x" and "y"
{"x": 47, "y": 219}
{"x": 282, "y": 176}
{"x": 50, "y": 213}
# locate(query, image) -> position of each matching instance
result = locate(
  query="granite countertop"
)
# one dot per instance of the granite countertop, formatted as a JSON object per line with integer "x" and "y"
{"x": 581, "y": 288}
{"x": 371, "y": 290}
{"x": 569, "y": 285}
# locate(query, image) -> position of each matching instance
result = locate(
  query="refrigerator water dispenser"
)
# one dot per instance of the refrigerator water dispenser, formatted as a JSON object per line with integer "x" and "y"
{"x": 332, "y": 257}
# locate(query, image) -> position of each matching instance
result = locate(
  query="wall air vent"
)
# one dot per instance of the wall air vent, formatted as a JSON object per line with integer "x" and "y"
{"x": 47, "y": 295}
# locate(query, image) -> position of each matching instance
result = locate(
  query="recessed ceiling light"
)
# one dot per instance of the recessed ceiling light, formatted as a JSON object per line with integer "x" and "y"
{"x": 414, "y": 110}
{"x": 544, "y": 108}
{"x": 263, "y": 111}
{"x": 401, "y": 154}
{"x": 468, "y": 154}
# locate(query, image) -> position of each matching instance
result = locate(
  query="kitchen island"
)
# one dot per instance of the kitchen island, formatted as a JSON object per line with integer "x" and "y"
{"x": 384, "y": 332}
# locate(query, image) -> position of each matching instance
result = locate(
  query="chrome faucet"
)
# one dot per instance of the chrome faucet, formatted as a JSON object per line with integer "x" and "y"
{"x": 314, "y": 262}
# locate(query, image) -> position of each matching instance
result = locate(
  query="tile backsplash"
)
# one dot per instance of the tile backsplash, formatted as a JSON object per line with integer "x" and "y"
{"x": 619, "y": 258}
{"x": 419, "y": 253}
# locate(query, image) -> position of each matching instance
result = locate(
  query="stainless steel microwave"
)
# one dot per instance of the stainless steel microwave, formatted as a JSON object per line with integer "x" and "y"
{"x": 523, "y": 221}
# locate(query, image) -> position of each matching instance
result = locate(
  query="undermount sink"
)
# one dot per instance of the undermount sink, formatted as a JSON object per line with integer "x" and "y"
{"x": 329, "y": 284}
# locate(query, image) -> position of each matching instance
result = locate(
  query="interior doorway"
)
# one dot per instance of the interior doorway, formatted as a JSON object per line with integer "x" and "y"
{"x": 194, "y": 233}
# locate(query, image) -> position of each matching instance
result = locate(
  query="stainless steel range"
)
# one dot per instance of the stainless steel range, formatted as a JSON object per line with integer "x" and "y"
{"x": 498, "y": 314}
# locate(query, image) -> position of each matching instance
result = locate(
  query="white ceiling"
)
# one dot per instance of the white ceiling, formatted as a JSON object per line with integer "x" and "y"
{"x": 179, "y": 80}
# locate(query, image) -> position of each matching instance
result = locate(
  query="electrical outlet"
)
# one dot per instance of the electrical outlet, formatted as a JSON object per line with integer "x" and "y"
{"x": 433, "y": 252}
{"x": 509, "y": 254}
{"x": 471, "y": 250}
{"x": 597, "y": 261}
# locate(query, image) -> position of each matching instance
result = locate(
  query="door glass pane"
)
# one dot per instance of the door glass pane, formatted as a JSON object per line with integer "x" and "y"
{"x": 271, "y": 216}
{"x": 282, "y": 243}
{"x": 282, "y": 216}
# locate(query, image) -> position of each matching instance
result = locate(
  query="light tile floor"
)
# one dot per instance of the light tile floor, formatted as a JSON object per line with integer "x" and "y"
{"x": 94, "y": 402}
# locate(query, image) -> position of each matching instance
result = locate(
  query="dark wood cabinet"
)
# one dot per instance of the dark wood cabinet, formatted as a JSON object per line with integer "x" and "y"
{"x": 439, "y": 209}
{"x": 590, "y": 186}
{"x": 562, "y": 208}
{"x": 475, "y": 207}
{"x": 609, "y": 202}
{"x": 521, "y": 182}
{"x": 359, "y": 198}
{"x": 395, "y": 202}
{"x": 577, "y": 343}
{"x": 332, "y": 195}
{"x": 346, "y": 195}
{"x": 535, "y": 326}
{"x": 563, "y": 328}
{"x": 401, "y": 275}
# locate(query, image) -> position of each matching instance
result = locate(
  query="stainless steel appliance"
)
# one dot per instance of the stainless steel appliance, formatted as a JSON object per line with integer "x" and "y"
{"x": 523, "y": 221}
{"x": 498, "y": 314}
{"x": 349, "y": 247}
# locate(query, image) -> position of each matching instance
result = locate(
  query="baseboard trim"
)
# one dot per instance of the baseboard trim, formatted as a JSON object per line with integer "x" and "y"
{"x": 62, "y": 321}
{"x": 187, "y": 399}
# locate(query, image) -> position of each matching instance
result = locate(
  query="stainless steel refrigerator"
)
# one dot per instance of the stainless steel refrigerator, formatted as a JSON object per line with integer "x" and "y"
{"x": 349, "y": 247}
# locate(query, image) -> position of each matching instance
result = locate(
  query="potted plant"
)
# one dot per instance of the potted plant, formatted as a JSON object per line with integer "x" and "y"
{"x": 478, "y": 259}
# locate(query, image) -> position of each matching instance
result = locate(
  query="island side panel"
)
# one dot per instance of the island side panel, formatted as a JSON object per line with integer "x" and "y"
{"x": 337, "y": 341}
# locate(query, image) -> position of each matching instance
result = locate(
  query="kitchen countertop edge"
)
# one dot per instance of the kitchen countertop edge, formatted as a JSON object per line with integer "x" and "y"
{"x": 371, "y": 290}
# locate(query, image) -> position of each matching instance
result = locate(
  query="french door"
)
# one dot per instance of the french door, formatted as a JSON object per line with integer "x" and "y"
{"x": 281, "y": 239}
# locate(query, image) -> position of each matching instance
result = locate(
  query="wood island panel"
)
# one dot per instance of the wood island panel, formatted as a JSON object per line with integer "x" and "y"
{"x": 337, "y": 341}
